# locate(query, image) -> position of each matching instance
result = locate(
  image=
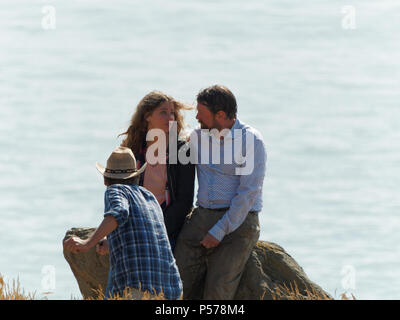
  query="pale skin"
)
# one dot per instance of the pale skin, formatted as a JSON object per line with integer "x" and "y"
{"x": 209, "y": 120}
{"x": 160, "y": 119}
{"x": 161, "y": 116}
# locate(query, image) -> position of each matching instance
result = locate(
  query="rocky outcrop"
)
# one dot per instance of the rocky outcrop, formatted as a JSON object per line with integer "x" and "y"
{"x": 270, "y": 273}
{"x": 90, "y": 269}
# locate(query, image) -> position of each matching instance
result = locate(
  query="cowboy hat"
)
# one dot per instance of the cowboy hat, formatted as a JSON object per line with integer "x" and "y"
{"x": 121, "y": 165}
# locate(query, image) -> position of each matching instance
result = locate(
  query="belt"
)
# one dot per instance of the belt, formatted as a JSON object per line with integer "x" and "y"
{"x": 224, "y": 209}
{"x": 220, "y": 209}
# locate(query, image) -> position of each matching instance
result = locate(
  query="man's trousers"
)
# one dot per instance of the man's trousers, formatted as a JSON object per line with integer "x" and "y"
{"x": 216, "y": 271}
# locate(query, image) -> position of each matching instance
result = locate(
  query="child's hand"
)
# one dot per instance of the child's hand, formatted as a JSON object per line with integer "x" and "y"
{"x": 102, "y": 247}
{"x": 76, "y": 245}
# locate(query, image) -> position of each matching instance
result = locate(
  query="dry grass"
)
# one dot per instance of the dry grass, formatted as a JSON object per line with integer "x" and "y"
{"x": 128, "y": 294}
{"x": 14, "y": 291}
{"x": 293, "y": 293}
{"x": 343, "y": 296}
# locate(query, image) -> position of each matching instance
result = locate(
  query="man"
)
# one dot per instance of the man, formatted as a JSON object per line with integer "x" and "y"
{"x": 141, "y": 259}
{"x": 217, "y": 238}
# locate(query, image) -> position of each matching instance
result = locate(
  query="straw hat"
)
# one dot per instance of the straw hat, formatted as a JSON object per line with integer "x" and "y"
{"x": 121, "y": 165}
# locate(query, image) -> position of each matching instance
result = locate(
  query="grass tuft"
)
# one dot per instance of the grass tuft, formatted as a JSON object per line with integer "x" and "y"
{"x": 283, "y": 292}
{"x": 128, "y": 294}
{"x": 14, "y": 291}
{"x": 292, "y": 292}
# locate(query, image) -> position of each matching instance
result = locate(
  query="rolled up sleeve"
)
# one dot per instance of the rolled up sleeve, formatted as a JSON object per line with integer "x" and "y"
{"x": 116, "y": 205}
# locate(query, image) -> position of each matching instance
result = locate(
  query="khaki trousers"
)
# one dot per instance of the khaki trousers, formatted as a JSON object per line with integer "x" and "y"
{"x": 213, "y": 274}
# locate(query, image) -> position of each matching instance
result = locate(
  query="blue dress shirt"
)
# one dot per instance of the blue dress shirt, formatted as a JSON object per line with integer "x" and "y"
{"x": 225, "y": 179}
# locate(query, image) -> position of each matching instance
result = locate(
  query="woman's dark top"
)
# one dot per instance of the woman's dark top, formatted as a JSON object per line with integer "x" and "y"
{"x": 180, "y": 185}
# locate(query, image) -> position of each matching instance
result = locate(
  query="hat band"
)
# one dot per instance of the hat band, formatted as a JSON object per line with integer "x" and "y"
{"x": 120, "y": 170}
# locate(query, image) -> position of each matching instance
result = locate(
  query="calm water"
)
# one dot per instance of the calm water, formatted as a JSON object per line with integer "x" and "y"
{"x": 325, "y": 98}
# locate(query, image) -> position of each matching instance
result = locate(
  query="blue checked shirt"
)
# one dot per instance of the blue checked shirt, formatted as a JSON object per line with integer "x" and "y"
{"x": 220, "y": 185}
{"x": 140, "y": 253}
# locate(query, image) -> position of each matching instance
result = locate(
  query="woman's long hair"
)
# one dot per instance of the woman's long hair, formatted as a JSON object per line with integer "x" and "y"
{"x": 137, "y": 131}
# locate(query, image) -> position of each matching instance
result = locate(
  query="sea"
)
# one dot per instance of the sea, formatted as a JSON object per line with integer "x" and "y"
{"x": 319, "y": 79}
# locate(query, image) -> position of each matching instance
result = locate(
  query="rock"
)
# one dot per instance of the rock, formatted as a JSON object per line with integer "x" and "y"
{"x": 90, "y": 269}
{"x": 270, "y": 273}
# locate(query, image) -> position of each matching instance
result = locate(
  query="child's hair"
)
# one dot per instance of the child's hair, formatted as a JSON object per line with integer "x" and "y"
{"x": 109, "y": 181}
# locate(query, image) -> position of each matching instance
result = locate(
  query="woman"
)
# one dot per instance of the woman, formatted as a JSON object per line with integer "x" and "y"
{"x": 172, "y": 184}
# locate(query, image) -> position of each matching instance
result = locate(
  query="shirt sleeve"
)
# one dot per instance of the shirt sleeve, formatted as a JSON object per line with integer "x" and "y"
{"x": 116, "y": 205}
{"x": 250, "y": 185}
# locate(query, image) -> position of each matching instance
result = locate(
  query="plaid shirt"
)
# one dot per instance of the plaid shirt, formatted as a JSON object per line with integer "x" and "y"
{"x": 140, "y": 253}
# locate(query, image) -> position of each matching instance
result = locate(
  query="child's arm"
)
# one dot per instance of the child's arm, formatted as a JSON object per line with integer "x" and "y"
{"x": 76, "y": 244}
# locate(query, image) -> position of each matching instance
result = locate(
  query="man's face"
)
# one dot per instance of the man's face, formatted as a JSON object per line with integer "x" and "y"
{"x": 205, "y": 117}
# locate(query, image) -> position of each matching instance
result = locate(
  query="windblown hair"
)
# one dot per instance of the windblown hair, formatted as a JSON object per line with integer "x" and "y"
{"x": 137, "y": 131}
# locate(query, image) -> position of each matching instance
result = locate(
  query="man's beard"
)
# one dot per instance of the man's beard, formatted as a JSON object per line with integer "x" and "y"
{"x": 214, "y": 125}
{"x": 203, "y": 126}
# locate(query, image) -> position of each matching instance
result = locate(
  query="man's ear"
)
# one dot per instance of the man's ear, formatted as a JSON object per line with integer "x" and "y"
{"x": 220, "y": 115}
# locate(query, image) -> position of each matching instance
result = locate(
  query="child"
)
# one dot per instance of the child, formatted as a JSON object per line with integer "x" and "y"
{"x": 140, "y": 253}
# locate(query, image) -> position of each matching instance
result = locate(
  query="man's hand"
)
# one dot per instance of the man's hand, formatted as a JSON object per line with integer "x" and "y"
{"x": 102, "y": 247}
{"x": 76, "y": 245}
{"x": 209, "y": 241}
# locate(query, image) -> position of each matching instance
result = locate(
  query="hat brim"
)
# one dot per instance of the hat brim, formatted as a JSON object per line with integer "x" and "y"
{"x": 102, "y": 170}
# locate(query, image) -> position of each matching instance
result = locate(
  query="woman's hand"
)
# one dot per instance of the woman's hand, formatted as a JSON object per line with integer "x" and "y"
{"x": 102, "y": 247}
{"x": 76, "y": 245}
